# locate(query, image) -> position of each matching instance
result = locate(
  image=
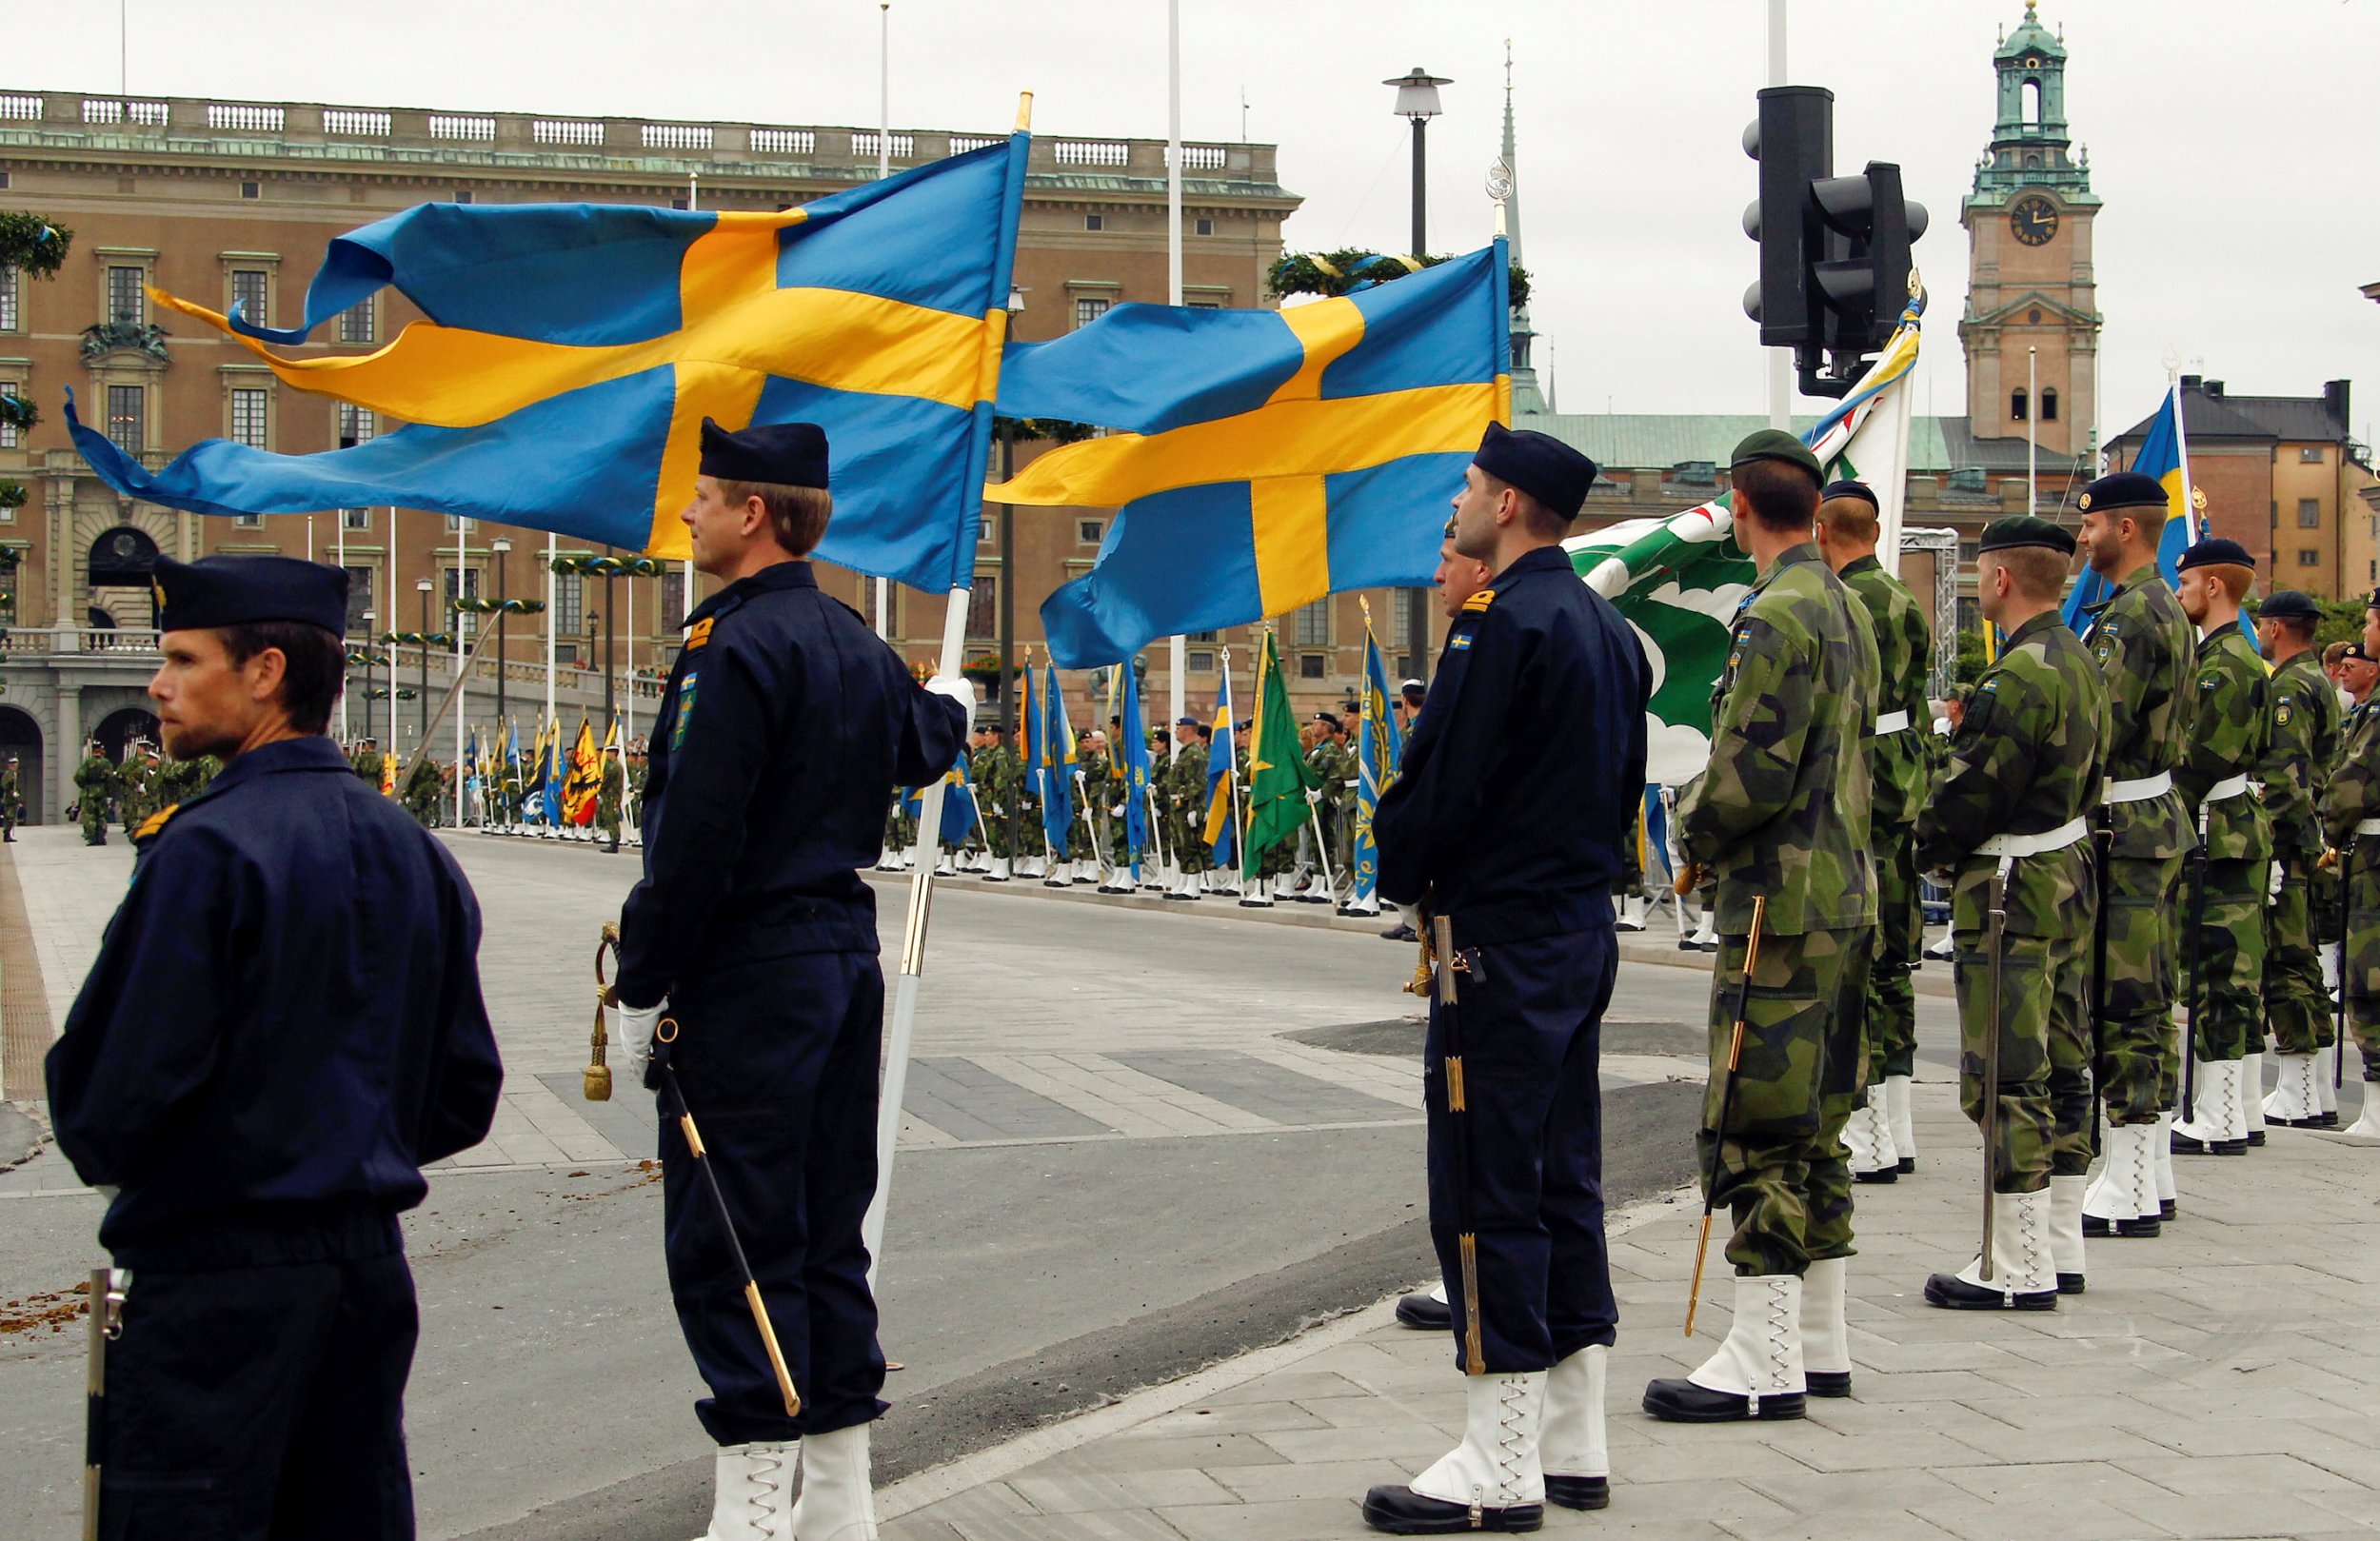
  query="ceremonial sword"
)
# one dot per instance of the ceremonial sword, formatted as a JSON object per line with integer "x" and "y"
{"x": 1727, "y": 1098}
{"x": 2197, "y": 982}
{"x": 2338, "y": 1034}
{"x": 1996, "y": 922}
{"x": 103, "y": 1307}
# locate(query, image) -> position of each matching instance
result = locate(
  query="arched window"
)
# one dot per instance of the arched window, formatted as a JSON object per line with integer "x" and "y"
{"x": 2049, "y": 407}
{"x": 2033, "y": 103}
{"x": 122, "y": 558}
{"x": 2016, "y": 406}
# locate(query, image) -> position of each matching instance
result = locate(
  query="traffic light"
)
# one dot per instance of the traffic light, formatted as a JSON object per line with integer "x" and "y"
{"x": 1834, "y": 251}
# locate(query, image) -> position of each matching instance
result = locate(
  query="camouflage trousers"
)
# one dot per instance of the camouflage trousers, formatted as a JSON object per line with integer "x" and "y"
{"x": 2137, "y": 1040}
{"x": 2025, "y": 1126}
{"x": 2362, "y": 973}
{"x": 2072, "y": 1097}
{"x": 1630, "y": 879}
{"x": 94, "y": 825}
{"x": 2294, "y": 1001}
{"x": 1891, "y": 1024}
{"x": 995, "y": 833}
{"x": 1190, "y": 852}
{"x": 1782, "y": 1170}
{"x": 901, "y": 830}
{"x": 2227, "y": 960}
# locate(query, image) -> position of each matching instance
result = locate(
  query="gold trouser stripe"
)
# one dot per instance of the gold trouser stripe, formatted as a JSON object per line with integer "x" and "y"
{"x": 1454, "y": 1084}
{"x": 1475, "y": 1357}
{"x": 693, "y": 1140}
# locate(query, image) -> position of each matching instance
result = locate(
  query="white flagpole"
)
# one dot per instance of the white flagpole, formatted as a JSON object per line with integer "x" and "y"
{"x": 1177, "y": 647}
{"x": 462, "y": 696}
{"x": 553, "y": 619}
{"x": 346, "y": 736}
{"x": 2033, "y": 429}
{"x": 884, "y": 169}
{"x": 628, "y": 689}
{"x": 685, "y": 569}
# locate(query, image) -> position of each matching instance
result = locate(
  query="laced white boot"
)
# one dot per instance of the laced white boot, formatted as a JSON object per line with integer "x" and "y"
{"x": 2251, "y": 1096}
{"x": 2156, "y": 1196}
{"x": 1002, "y": 870}
{"x": 2066, "y": 1232}
{"x": 1758, "y": 1371}
{"x": 2122, "y": 1200}
{"x": 1904, "y": 1126}
{"x": 1825, "y": 1339}
{"x": 2294, "y": 1101}
{"x": 2368, "y": 1122}
{"x": 752, "y": 1496}
{"x": 1497, "y": 1465}
{"x": 1578, "y": 1460}
{"x": 945, "y": 867}
{"x": 1868, "y": 1141}
{"x": 836, "y": 1502}
{"x": 2023, "y": 1276}
{"x": 2326, "y": 1095}
{"x": 2214, "y": 1116}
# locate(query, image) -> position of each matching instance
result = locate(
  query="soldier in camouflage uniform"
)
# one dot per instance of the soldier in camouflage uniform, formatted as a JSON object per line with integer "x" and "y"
{"x": 1898, "y": 768}
{"x": 901, "y": 832}
{"x": 1782, "y": 815}
{"x": 2148, "y": 652}
{"x": 2232, "y": 873}
{"x": 424, "y": 794}
{"x": 11, "y": 799}
{"x": 1086, "y": 845}
{"x": 2296, "y": 773}
{"x": 608, "y": 802}
{"x": 2351, "y": 822}
{"x": 996, "y": 778}
{"x": 1185, "y": 796}
{"x": 136, "y": 787}
{"x": 94, "y": 786}
{"x": 2011, "y": 804}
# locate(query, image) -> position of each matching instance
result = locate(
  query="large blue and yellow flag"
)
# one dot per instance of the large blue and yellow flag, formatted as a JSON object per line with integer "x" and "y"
{"x": 1260, "y": 459}
{"x": 959, "y": 813}
{"x": 2164, "y": 454}
{"x": 1132, "y": 754}
{"x": 1058, "y": 762}
{"x": 1380, "y": 751}
{"x": 1223, "y": 778}
{"x": 571, "y": 352}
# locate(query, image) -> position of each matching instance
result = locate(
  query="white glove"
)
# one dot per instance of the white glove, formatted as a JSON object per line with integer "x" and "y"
{"x": 2273, "y": 887}
{"x": 958, "y": 687}
{"x": 1314, "y": 795}
{"x": 635, "y": 1037}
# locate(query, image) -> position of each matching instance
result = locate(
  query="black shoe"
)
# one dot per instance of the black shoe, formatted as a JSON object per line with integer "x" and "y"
{"x": 1400, "y": 932}
{"x": 1422, "y": 1310}
{"x": 1882, "y": 1174}
{"x": 2165, "y": 1211}
{"x": 1687, "y": 945}
{"x": 1710, "y": 946}
{"x": 2323, "y": 1120}
{"x": 2069, "y": 1284}
{"x": 1682, "y": 1401}
{"x": 1579, "y": 1492}
{"x": 1828, "y": 1382}
{"x": 1909, "y": 1165}
{"x": 1399, "y": 1511}
{"x": 2093, "y": 1226}
{"x": 2190, "y": 1145}
{"x": 1953, "y": 1293}
{"x": 2256, "y": 1136}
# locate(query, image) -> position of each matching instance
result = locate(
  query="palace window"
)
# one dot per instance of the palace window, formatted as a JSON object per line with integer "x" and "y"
{"x": 469, "y": 625}
{"x": 126, "y": 303}
{"x": 2309, "y": 513}
{"x": 984, "y": 608}
{"x": 570, "y": 605}
{"x": 11, "y": 437}
{"x": 248, "y": 418}
{"x": 251, "y": 290}
{"x": 1095, "y": 222}
{"x": 2049, "y": 407}
{"x": 1314, "y": 626}
{"x": 1088, "y": 310}
{"x": 127, "y": 414}
{"x": 2308, "y": 558}
{"x": 358, "y": 593}
{"x": 2016, "y": 406}
{"x": 1312, "y": 666}
{"x": 355, "y": 519}
{"x": 2306, "y": 454}
{"x": 355, "y": 425}
{"x": 11, "y": 290}
{"x": 1090, "y": 531}
{"x": 359, "y": 322}
{"x": 673, "y": 600}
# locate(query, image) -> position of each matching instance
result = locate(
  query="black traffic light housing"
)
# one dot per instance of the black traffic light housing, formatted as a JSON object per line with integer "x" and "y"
{"x": 1834, "y": 251}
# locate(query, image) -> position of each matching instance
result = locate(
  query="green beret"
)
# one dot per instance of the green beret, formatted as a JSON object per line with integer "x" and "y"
{"x": 2024, "y": 531}
{"x": 1776, "y": 443}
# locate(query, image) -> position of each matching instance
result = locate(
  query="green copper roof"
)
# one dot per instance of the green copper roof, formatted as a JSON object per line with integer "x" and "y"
{"x": 2030, "y": 39}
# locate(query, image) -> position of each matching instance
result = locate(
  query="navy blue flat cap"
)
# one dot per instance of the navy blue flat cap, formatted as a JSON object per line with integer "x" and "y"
{"x": 1539, "y": 465}
{"x": 784, "y": 454}
{"x": 234, "y": 591}
{"x": 2289, "y": 605}
{"x": 2125, "y": 489}
{"x": 2217, "y": 552}
{"x": 1850, "y": 490}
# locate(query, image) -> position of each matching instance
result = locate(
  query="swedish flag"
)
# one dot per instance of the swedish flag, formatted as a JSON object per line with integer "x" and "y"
{"x": 1264, "y": 458}
{"x": 571, "y": 352}
{"x": 2165, "y": 455}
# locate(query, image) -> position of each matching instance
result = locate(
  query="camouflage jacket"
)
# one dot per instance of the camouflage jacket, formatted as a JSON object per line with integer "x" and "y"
{"x": 1185, "y": 782}
{"x": 2027, "y": 760}
{"x": 95, "y": 778}
{"x": 2231, "y": 721}
{"x": 2147, "y": 651}
{"x": 2353, "y": 794}
{"x": 2304, "y": 741}
{"x": 1782, "y": 809}
{"x": 1336, "y": 765}
{"x": 1898, "y": 762}
{"x": 995, "y": 778}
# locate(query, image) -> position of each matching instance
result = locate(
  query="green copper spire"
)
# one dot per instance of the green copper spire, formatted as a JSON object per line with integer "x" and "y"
{"x": 2031, "y": 145}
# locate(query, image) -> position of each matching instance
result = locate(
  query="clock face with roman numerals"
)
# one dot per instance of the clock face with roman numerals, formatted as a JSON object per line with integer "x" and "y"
{"x": 2033, "y": 219}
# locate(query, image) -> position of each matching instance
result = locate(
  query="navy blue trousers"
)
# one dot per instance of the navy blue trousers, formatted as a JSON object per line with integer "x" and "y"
{"x": 776, "y": 1058}
{"x": 261, "y": 1404}
{"x": 1531, "y": 1018}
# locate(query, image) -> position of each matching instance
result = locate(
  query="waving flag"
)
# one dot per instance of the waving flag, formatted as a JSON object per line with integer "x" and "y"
{"x": 572, "y": 352}
{"x": 1679, "y": 580}
{"x": 958, "y": 803}
{"x": 586, "y": 779}
{"x": 1058, "y": 765}
{"x": 554, "y": 783}
{"x": 1279, "y": 777}
{"x": 1131, "y": 753}
{"x": 1263, "y": 459}
{"x": 2165, "y": 455}
{"x": 1222, "y": 778}
{"x": 1379, "y": 750}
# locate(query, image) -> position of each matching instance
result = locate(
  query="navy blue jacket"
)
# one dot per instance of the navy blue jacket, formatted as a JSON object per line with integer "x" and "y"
{"x": 786, "y": 726}
{"x": 284, "y": 1020}
{"x": 1524, "y": 771}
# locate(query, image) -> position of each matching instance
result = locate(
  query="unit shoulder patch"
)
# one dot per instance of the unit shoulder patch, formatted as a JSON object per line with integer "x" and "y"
{"x": 1480, "y": 601}
{"x": 155, "y": 823}
{"x": 700, "y": 632}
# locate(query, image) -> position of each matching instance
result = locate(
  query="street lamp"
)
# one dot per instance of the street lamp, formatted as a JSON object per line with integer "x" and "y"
{"x": 500, "y": 546}
{"x": 370, "y": 668}
{"x": 1416, "y": 99}
{"x": 421, "y": 586}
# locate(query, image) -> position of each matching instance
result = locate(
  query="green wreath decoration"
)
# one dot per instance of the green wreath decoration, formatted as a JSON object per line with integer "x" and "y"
{"x": 1333, "y": 273}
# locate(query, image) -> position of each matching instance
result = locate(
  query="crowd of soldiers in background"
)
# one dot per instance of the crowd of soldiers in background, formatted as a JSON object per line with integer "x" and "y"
{"x": 126, "y": 794}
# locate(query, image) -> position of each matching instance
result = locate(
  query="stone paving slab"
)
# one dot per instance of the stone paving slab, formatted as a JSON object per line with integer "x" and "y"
{"x": 2207, "y": 1384}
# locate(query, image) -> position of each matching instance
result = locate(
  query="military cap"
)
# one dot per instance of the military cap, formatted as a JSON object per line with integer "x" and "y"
{"x": 233, "y": 591}
{"x": 2355, "y": 651}
{"x": 2124, "y": 489}
{"x": 1185, "y": 721}
{"x": 782, "y": 454}
{"x": 1537, "y": 463}
{"x": 2289, "y": 605}
{"x": 2019, "y": 530}
{"x": 1776, "y": 443}
{"x": 1327, "y": 720}
{"x": 2216, "y": 552}
{"x": 2374, "y": 601}
{"x": 1961, "y": 693}
{"x": 1850, "y": 489}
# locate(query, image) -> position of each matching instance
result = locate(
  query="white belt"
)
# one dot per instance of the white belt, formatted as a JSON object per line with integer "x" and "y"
{"x": 2059, "y": 839}
{"x": 2140, "y": 790}
{"x": 2230, "y": 786}
{"x": 1891, "y": 723}
{"x": 2370, "y": 826}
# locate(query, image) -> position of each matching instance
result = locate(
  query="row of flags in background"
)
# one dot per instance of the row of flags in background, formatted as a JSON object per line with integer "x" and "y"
{"x": 557, "y": 785}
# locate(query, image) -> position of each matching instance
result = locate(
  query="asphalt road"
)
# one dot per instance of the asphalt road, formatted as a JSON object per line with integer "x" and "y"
{"x": 1248, "y": 1162}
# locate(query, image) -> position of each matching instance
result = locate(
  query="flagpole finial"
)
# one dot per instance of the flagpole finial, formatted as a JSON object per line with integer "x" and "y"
{"x": 2172, "y": 362}
{"x": 1024, "y": 110}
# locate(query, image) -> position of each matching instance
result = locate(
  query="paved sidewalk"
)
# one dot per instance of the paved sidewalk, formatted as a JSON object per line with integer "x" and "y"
{"x": 2218, "y": 1381}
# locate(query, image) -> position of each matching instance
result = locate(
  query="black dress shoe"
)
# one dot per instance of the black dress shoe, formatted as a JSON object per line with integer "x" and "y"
{"x": 2165, "y": 1211}
{"x": 1426, "y": 1313}
{"x": 1682, "y": 1401}
{"x": 2256, "y": 1136}
{"x": 1399, "y": 932}
{"x": 1399, "y": 1511}
{"x": 2093, "y": 1226}
{"x": 1828, "y": 1382}
{"x": 1909, "y": 1165}
{"x": 2189, "y": 1145}
{"x": 1953, "y": 1293}
{"x": 1579, "y": 1492}
{"x": 1687, "y": 945}
{"x": 2069, "y": 1284}
{"x": 2323, "y": 1120}
{"x": 1882, "y": 1174}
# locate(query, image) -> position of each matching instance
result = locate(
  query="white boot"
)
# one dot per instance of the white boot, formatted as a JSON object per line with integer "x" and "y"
{"x": 2023, "y": 1276}
{"x": 1825, "y": 1341}
{"x": 836, "y": 1502}
{"x": 2368, "y": 1122}
{"x": 2294, "y": 1101}
{"x": 945, "y": 867}
{"x": 1497, "y": 1465}
{"x": 1880, "y": 1125}
{"x": 752, "y": 1494}
{"x": 2066, "y": 1232}
{"x": 2161, "y": 1167}
{"x": 888, "y": 859}
{"x": 1261, "y": 893}
{"x": 1632, "y": 913}
{"x": 2330, "y": 969}
{"x": 1577, "y": 1460}
{"x": 1002, "y": 870}
{"x": 1707, "y": 935}
{"x": 1904, "y": 1126}
{"x": 2123, "y": 1199}
{"x": 2214, "y": 1116}
{"x": 1757, "y": 1371}
{"x": 1859, "y": 1148}
{"x": 2251, "y": 1096}
{"x": 2325, "y": 1093}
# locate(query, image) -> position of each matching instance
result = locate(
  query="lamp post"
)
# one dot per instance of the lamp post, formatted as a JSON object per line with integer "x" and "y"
{"x": 1417, "y": 100}
{"x": 611, "y": 652}
{"x": 500, "y": 546}
{"x": 1008, "y": 592}
{"x": 421, "y": 586}
{"x": 371, "y": 672}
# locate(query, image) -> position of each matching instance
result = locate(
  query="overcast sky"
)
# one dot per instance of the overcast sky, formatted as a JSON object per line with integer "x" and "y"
{"x": 2231, "y": 142}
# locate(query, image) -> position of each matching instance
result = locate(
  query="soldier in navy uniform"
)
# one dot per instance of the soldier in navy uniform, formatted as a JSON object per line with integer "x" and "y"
{"x": 283, "y": 1027}
{"x": 784, "y": 729}
{"x": 1520, "y": 780}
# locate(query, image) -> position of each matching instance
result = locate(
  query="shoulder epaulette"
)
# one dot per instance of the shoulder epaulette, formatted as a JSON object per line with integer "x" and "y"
{"x": 700, "y": 632}
{"x": 1479, "y": 601}
{"x": 154, "y": 823}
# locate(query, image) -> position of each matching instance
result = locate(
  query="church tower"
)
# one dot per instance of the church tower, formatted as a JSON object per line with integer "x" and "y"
{"x": 2029, "y": 279}
{"x": 1528, "y": 398}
